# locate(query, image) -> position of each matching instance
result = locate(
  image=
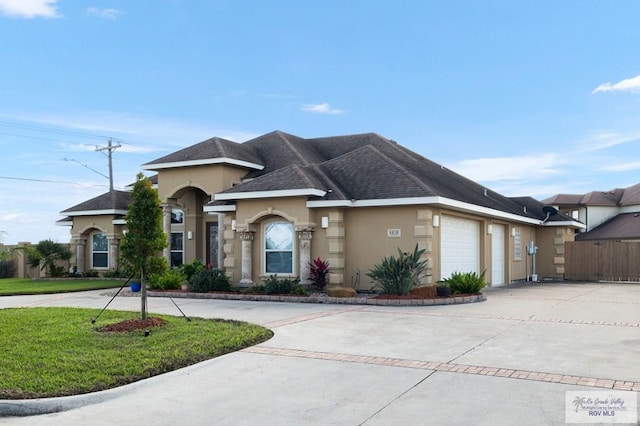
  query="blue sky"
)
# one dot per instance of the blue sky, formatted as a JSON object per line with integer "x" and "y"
{"x": 527, "y": 98}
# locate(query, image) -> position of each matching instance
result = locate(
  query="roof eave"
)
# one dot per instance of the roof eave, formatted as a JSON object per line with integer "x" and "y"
{"x": 219, "y": 209}
{"x": 434, "y": 200}
{"x": 281, "y": 193}
{"x": 203, "y": 162}
{"x": 95, "y": 212}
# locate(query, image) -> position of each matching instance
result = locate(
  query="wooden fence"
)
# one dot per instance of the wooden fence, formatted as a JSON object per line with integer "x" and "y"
{"x": 18, "y": 266}
{"x": 602, "y": 260}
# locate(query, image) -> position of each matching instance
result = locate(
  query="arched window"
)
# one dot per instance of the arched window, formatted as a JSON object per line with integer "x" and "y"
{"x": 99, "y": 251}
{"x": 278, "y": 247}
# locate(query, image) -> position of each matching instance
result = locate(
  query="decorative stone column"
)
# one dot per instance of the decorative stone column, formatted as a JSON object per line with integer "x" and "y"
{"x": 221, "y": 240}
{"x": 247, "y": 251}
{"x": 80, "y": 249}
{"x": 166, "y": 228}
{"x": 114, "y": 253}
{"x": 304, "y": 247}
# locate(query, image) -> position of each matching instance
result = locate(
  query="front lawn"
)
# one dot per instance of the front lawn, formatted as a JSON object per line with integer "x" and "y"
{"x": 20, "y": 286}
{"x": 48, "y": 352}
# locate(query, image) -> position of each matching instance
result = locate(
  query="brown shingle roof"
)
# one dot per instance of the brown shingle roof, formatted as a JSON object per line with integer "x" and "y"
{"x": 119, "y": 201}
{"x": 612, "y": 198}
{"x": 365, "y": 167}
{"x": 211, "y": 148}
{"x": 624, "y": 226}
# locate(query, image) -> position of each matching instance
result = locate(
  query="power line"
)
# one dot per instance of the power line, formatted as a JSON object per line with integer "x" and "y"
{"x": 48, "y": 181}
{"x": 22, "y": 126}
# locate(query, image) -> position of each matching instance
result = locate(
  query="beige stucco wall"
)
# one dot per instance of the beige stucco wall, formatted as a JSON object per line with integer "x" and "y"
{"x": 358, "y": 238}
{"x": 82, "y": 230}
{"x": 209, "y": 179}
{"x": 550, "y": 256}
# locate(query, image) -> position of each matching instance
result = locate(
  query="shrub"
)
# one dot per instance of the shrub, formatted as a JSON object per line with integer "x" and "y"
{"x": 398, "y": 275}
{"x": 256, "y": 289}
{"x": 91, "y": 273}
{"x": 115, "y": 274}
{"x": 319, "y": 272}
{"x": 7, "y": 268}
{"x": 464, "y": 283}
{"x": 275, "y": 285}
{"x": 170, "y": 280}
{"x": 209, "y": 280}
{"x": 188, "y": 269}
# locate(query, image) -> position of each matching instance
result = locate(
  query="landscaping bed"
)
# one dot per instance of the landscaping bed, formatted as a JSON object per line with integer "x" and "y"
{"x": 360, "y": 299}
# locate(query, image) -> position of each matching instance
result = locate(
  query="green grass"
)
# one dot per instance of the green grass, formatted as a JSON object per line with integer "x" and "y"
{"x": 19, "y": 286}
{"x": 48, "y": 352}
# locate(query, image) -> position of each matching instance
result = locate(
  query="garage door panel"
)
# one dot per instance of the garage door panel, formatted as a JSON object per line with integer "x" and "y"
{"x": 460, "y": 245}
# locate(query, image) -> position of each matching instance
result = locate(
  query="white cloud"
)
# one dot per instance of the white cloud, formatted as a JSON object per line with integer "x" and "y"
{"x": 511, "y": 169}
{"x": 605, "y": 140}
{"x": 629, "y": 85}
{"x": 104, "y": 13}
{"x": 622, "y": 167}
{"x": 138, "y": 133}
{"x": 30, "y": 8}
{"x": 323, "y": 108}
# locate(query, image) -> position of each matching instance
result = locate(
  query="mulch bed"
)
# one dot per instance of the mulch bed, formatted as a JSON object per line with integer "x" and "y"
{"x": 132, "y": 325}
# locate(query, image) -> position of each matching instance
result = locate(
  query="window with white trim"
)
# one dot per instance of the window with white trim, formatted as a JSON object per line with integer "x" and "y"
{"x": 278, "y": 247}
{"x": 99, "y": 251}
{"x": 177, "y": 248}
{"x": 517, "y": 244}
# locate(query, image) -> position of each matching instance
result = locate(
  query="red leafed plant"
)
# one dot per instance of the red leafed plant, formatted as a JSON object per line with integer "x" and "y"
{"x": 319, "y": 272}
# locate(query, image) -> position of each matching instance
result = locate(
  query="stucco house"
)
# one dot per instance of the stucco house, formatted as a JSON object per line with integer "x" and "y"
{"x": 271, "y": 204}
{"x": 607, "y": 215}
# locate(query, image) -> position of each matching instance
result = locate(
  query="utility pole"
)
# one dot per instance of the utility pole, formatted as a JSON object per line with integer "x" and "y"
{"x": 110, "y": 148}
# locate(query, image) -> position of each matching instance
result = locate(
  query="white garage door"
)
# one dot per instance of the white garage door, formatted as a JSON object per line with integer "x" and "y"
{"x": 497, "y": 255}
{"x": 459, "y": 246}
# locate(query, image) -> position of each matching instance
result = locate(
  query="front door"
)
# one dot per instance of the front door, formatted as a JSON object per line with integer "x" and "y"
{"x": 212, "y": 244}
{"x": 497, "y": 255}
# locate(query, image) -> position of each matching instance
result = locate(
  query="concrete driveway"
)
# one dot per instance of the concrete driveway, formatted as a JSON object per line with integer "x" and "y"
{"x": 508, "y": 361}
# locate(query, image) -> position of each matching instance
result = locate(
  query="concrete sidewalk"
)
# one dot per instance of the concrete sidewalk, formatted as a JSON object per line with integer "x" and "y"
{"x": 508, "y": 360}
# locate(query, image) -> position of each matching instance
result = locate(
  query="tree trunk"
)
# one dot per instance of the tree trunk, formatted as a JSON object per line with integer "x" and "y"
{"x": 143, "y": 296}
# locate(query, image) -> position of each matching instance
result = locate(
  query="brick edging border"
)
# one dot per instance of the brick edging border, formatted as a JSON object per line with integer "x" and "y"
{"x": 325, "y": 299}
{"x": 450, "y": 367}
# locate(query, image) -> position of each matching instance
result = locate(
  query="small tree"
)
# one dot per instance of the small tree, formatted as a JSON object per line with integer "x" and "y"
{"x": 45, "y": 254}
{"x": 144, "y": 237}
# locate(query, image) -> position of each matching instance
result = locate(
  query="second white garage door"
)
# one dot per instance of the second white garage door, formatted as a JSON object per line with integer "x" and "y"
{"x": 459, "y": 245}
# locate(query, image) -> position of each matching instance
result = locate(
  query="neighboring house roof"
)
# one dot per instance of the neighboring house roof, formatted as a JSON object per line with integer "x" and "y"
{"x": 115, "y": 202}
{"x": 624, "y": 226}
{"x": 615, "y": 197}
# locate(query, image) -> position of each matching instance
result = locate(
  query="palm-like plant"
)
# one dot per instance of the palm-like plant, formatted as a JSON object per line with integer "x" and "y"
{"x": 45, "y": 254}
{"x": 398, "y": 275}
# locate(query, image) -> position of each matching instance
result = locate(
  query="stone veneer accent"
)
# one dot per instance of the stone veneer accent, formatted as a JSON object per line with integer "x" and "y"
{"x": 558, "y": 246}
{"x": 229, "y": 236}
{"x": 335, "y": 241}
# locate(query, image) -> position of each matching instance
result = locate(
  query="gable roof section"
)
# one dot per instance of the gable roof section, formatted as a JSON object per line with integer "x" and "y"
{"x": 278, "y": 149}
{"x": 212, "y": 151}
{"x": 115, "y": 202}
{"x": 292, "y": 180}
{"x": 625, "y": 226}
